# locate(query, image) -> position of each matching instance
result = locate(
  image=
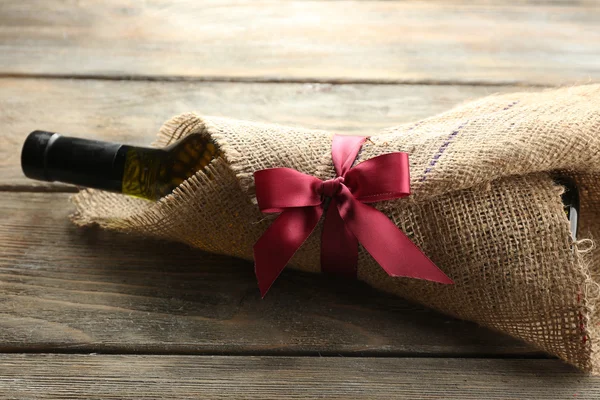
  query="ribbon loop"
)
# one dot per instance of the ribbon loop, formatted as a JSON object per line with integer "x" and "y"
{"x": 344, "y": 150}
{"x": 281, "y": 188}
{"x": 348, "y": 221}
{"x": 381, "y": 178}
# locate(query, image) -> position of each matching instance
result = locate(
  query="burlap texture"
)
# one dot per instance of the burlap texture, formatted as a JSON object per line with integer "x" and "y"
{"x": 484, "y": 208}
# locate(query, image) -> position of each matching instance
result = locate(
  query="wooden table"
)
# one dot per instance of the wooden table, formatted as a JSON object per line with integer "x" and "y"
{"x": 94, "y": 314}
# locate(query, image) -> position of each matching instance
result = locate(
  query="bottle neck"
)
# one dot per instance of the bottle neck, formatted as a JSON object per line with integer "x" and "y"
{"x": 90, "y": 163}
{"x": 144, "y": 172}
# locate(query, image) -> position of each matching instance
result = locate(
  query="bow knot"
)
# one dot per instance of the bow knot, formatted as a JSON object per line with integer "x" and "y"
{"x": 348, "y": 220}
{"x": 332, "y": 187}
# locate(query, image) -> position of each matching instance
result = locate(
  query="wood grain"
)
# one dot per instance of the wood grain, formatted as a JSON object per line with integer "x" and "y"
{"x": 159, "y": 377}
{"x": 456, "y": 41}
{"x": 67, "y": 289}
{"x": 132, "y": 112}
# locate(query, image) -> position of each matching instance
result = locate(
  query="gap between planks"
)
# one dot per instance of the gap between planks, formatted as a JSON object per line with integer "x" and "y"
{"x": 273, "y": 80}
{"x": 359, "y": 354}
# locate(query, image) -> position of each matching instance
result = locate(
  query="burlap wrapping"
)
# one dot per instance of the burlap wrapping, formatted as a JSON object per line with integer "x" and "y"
{"x": 484, "y": 208}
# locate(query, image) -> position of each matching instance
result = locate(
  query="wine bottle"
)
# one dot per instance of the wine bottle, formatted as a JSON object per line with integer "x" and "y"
{"x": 145, "y": 172}
{"x": 571, "y": 203}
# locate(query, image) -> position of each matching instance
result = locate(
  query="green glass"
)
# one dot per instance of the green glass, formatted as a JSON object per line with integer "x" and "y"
{"x": 153, "y": 173}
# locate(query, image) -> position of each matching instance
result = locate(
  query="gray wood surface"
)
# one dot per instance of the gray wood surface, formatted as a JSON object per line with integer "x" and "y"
{"x": 500, "y": 42}
{"x": 132, "y": 112}
{"x": 37, "y": 376}
{"x": 69, "y": 289}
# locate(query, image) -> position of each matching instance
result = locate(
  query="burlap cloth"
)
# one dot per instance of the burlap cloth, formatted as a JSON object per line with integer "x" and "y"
{"x": 484, "y": 208}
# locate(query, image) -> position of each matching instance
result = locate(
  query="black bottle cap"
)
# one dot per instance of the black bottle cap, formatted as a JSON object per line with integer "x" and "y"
{"x": 48, "y": 156}
{"x": 34, "y": 154}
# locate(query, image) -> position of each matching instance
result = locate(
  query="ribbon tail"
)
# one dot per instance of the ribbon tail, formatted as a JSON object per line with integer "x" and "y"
{"x": 387, "y": 244}
{"x": 339, "y": 246}
{"x": 281, "y": 240}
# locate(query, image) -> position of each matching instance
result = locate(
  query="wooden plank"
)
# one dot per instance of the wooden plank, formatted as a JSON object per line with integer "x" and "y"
{"x": 133, "y": 111}
{"x": 64, "y": 288}
{"x": 36, "y": 376}
{"x": 393, "y": 41}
